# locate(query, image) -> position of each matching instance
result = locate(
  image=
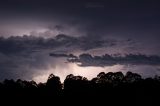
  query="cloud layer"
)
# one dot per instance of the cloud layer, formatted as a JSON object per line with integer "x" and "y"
{"x": 26, "y": 56}
{"x": 110, "y": 60}
{"x": 17, "y": 44}
{"x": 61, "y": 28}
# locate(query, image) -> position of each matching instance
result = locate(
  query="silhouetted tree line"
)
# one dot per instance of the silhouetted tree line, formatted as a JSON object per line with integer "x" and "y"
{"x": 111, "y": 85}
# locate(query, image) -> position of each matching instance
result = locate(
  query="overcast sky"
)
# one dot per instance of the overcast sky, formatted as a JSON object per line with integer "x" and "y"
{"x": 32, "y": 29}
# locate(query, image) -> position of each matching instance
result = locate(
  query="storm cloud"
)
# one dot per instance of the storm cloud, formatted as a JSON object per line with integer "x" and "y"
{"x": 110, "y": 60}
{"x": 28, "y": 56}
{"x": 24, "y": 56}
{"x": 18, "y": 44}
{"x": 35, "y": 33}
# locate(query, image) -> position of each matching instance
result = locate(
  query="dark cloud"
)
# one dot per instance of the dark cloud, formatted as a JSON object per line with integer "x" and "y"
{"x": 17, "y": 44}
{"x": 82, "y": 26}
{"x": 110, "y": 60}
{"x": 63, "y": 55}
{"x": 23, "y": 56}
{"x": 116, "y": 19}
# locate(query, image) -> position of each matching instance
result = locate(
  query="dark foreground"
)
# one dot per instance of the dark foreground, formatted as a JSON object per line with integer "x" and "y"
{"x": 106, "y": 88}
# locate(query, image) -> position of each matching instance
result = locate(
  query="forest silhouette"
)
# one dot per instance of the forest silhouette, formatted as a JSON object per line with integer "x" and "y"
{"x": 109, "y": 86}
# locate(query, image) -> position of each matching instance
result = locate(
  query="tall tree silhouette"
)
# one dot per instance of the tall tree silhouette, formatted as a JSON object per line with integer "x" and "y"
{"x": 53, "y": 85}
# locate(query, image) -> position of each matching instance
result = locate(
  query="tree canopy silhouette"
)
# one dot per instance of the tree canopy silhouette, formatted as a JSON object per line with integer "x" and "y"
{"x": 111, "y": 85}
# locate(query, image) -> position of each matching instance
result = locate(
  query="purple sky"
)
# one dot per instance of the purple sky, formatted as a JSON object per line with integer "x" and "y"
{"x": 96, "y": 27}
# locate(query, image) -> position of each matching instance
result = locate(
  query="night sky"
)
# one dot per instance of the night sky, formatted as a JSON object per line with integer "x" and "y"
{"x": 80, "y": 37}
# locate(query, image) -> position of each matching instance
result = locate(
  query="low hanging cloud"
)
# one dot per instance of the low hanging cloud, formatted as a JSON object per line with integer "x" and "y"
{"x": 18, "y": 44}
{"x": 26, "y": 56}
{"x": 85, "y": 60}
